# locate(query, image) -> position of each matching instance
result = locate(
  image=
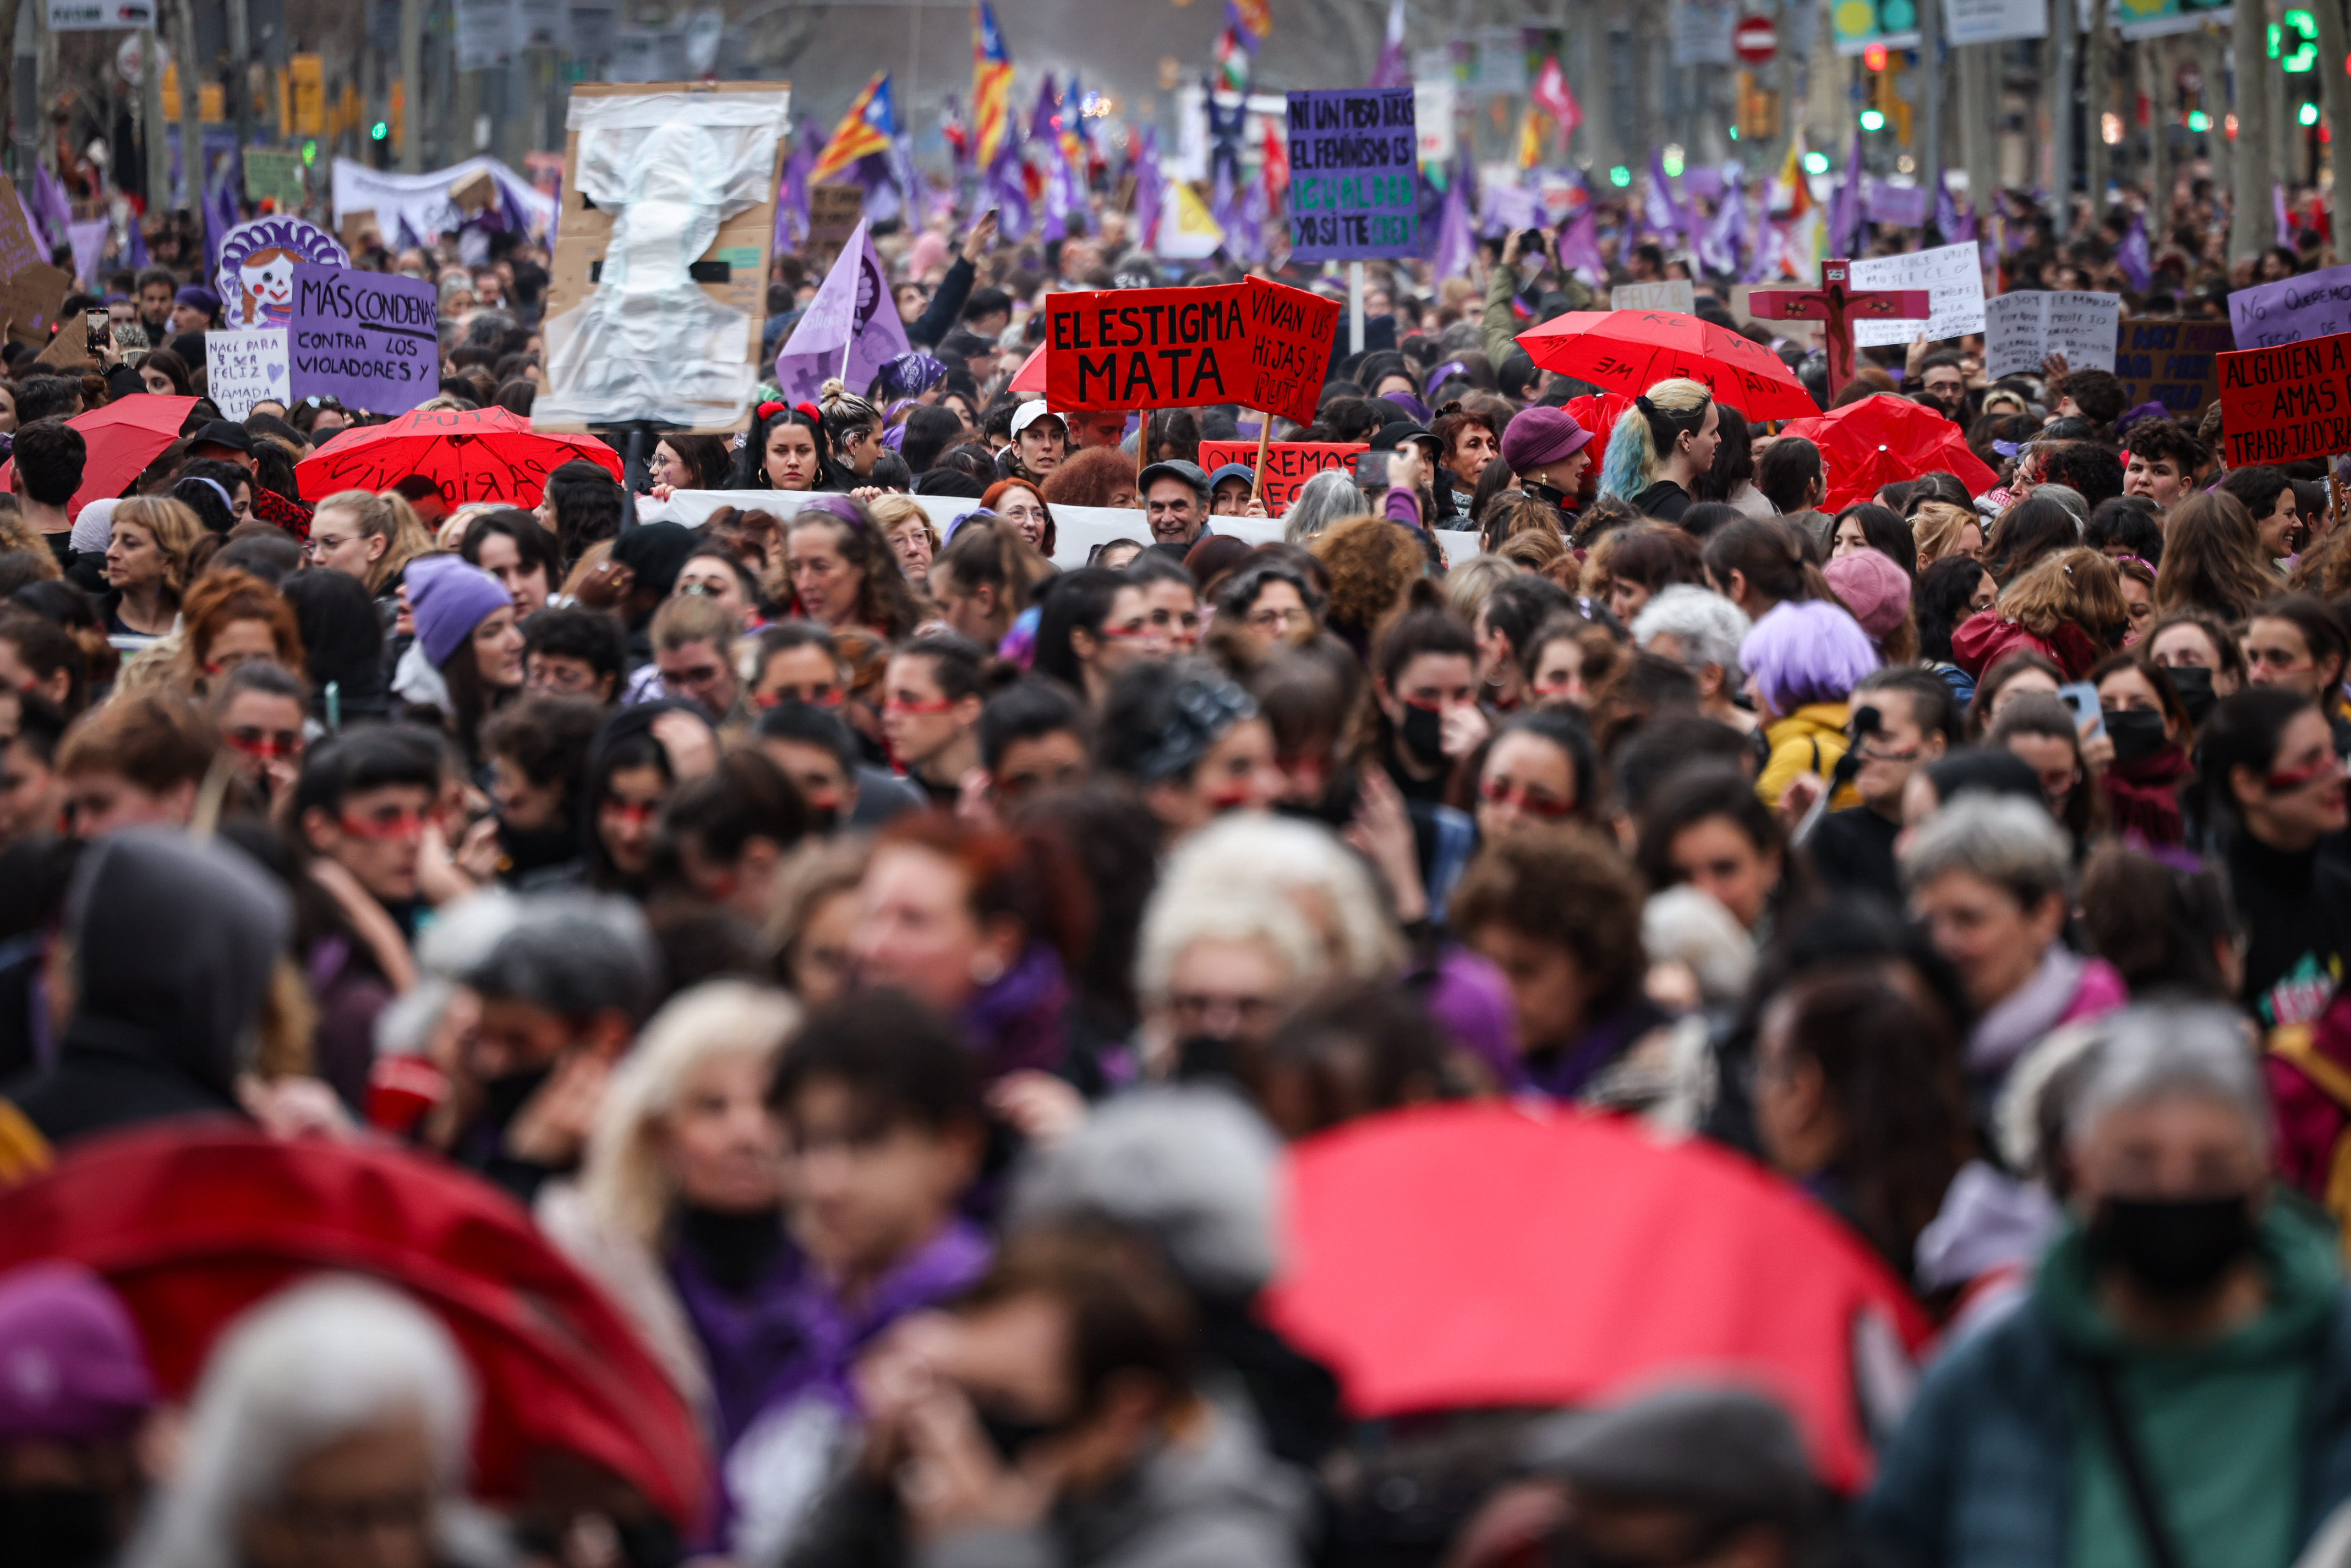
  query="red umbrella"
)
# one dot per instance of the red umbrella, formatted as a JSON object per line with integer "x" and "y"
{"x": 1493, "y": 1253}
{"x": 1598, "y": 413}
{"x": 481, "y": 454}
{"x": 1870, "y": 444}
{"x": 1030, "y": 376}
{"x": 192, "y": 1223}
{"x": 1629, "y": 351}
{"x": 123, "y": 438}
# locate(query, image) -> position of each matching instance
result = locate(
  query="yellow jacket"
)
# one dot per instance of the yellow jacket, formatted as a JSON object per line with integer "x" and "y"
{"x": 1808, "y": 740}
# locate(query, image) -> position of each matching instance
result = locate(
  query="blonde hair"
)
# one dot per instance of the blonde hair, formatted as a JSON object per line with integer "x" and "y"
{"x": 384, "y": 515}
{"x": 625, "y": 1182}
{"x": 1469, "y": 584}
{"x": 2079, "y": 585}
{"x": 888, "y": 511}
{"x": 174, "y": 529}
{"x": 1631, "y": 465}
{"x": 1935, "y": 528}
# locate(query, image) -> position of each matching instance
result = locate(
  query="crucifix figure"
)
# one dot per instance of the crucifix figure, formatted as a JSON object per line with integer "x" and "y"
{"x": 1835, "y": 304}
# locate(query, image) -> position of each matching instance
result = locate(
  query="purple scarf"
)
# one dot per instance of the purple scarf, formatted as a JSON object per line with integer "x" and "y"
{"x": 1015, "y": 1023}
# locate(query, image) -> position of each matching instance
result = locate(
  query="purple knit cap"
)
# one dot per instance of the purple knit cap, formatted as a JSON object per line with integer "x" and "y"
{"x": 449, "y": 599}
{"x": 198, "y": 297}
{"x": 72, "y": 1369}
{"x": 1537, "y": 436}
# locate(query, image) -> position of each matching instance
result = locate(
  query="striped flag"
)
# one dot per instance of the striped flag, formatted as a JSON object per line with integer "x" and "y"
{"x": 992, "y": 86}
{"x": 867, "y": 129}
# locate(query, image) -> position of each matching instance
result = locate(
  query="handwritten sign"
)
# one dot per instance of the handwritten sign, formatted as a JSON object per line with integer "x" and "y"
{"x": 2286, "y": 403}
{"x": 1288, "y": 464}
{"x": 833, "y": 212}
{"x": 1147, "y": 348}
{"x": 245, "y": 365}
{"x": 1675, "y": 294}
{"x": 2172, "y": 362}
{"x": 1291, "y": 333}
{"x": 2314, "y": 304}
{"x": 2022, "y": 328}
{"x": 274, "y": 174}
{"x": 1354, "y": 174}
{"x": 18, "y": 247}
{"x": 1951, "y": 274}
{"x": 29, "y": 299}
{"x": 371, "y": 340}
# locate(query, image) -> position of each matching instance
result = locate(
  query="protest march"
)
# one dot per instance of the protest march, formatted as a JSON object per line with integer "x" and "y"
{"x": 1397, "y": 793}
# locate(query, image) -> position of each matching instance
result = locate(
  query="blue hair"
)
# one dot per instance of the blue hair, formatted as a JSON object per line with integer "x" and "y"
{"x": 1629, "y": 454}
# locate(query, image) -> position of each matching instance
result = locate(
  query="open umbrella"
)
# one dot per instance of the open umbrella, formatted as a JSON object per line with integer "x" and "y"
{"x": 1492, "y": 1254}
{"x": 1030, "y": 376}
{"x": 194, "y": 1222}
{"x": 123, "y": 438}
{"x": 473, "y": 455}
{"x": 1629, "y": 351}
{"x": 1870, "y": 444}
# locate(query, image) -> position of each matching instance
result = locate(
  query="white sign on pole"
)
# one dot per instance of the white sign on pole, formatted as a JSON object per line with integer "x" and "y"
{"x": 485, "y": 33}
{"x": 1675, "y": 294}
{"x": 2022, "y": 328}
{"x": 245, "y": 365}
{"x": 1432, "y": 117}
{"x": 100, "y": 15}
{"x": 1993, "y": 21}
{"x": 1952, "y": 274}
{"x": 1702, "y": 30}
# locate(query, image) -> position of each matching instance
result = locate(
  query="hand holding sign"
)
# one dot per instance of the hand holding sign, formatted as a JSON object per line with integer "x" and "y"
{"x": 371, "y": 340}
{"x": 1255, "y": 344}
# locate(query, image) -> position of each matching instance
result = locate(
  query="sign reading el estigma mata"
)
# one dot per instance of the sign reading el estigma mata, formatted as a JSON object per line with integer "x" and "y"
{"x": 256, "y": 268}
{"x": 1354, "y": 174}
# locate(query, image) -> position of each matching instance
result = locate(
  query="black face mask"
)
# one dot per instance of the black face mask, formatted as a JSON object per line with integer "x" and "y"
{"x": 2174, "y": 1249}
{"x": 1010, "y": 1436}
{"x": 2137, "y": 735}
{"x": 1423, "y": 734}
{"x": 823, "y": 819}
{"x": 58, "y": 1526}
{"x": 2194, "y": 684}
{"x": 503, "y": 1098}
{"x": 1199, "y": 1057}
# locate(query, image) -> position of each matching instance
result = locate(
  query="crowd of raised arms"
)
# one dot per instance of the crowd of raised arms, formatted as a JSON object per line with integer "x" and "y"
{"x": 887, "y": 947}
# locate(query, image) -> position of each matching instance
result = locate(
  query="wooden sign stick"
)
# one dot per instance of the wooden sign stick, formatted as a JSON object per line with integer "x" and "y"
{"x": 1264, "y": 430}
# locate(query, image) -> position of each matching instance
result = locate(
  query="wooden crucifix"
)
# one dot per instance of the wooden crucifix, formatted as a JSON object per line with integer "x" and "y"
{"x": 1835, "y": 304}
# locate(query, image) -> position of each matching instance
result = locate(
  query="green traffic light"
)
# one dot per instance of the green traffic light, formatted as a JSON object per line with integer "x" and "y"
{"x": 309, "y": 152}
{"x": 2199, "y": 121}
{"x": 1816, "y": 162}
{"x": 2307, "y": 114}
{"x": 1871, "y": 119}
{"x": 378, "y": 130}
{"x": 1620, "y": 176}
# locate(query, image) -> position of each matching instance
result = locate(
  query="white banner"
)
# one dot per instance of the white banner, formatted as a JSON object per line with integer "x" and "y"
{"x": 100, "y": 15}
{"x": 1952, "y": 274}
{"x": 1993, "y": 21}
{"x": 421, "y": 201}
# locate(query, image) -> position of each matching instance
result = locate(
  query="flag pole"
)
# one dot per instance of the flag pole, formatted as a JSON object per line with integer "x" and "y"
{"x": 1264, "y": 430}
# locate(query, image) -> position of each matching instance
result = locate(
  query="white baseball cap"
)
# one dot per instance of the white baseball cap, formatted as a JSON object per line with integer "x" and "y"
{"x": 1030, "y": 412}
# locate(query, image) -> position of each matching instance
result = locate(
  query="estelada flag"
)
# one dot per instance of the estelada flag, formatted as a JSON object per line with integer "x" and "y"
{"x": 866, "y": 129}
{"x": 991, "y": 85}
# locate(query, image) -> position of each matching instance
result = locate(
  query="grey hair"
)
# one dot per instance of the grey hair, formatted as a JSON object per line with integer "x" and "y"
{"x": 2009, "y": 842}
{"x": 331, "y": 1357}
{"x": 1707, "y": 627}
{"x": 1191, "y": 1167}
{"x": 2145, "y": 1053}
{"x": 1320, "y": 501}
{"x": 575, "y": 953}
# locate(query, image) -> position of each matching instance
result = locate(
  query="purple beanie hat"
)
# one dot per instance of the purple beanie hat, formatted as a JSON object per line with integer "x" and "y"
{"x": 1537, "y": 436}
{"x": 72, "y": 1369}
{"x": 449, "y": 598}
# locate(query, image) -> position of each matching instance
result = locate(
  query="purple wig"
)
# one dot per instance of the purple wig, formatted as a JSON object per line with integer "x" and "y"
{"x": 1806, "y": 650}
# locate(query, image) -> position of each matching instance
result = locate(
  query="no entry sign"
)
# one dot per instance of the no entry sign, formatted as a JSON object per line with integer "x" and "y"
{"x": 1755, "y": 41}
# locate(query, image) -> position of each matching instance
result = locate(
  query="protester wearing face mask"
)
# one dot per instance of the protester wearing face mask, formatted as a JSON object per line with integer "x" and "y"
{"x": 2156, "y": 1392}
{"x": 72, "y": 1417}
{"x": 1425, "y": 681}
{"x": 2147, "y": 732}
{"x": 1912, "y": 722}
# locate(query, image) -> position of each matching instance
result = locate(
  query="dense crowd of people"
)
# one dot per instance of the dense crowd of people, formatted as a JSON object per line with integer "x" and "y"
{"x": 889, "y": 958}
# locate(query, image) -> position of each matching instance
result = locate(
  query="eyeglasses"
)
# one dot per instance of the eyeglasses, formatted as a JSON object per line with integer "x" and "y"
{"x": 1274, "y": 619}
{"x": 322, "y": 401}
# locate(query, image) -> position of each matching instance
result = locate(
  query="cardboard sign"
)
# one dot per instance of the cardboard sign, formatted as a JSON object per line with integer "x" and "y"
{"x": 1290, "y": 335}
{"x": 2022, "y": 328}
{"x": 2286, "y": 403}
{"x": 2176, "y": 363}
{"x": 1952, "y": 274}
{"x": 1288, "y": 464}
{"x": 29, "y": 299}
{"x": 357, "y": 225}
{"x": 1120, "y": 348}
{"x": 274, "y": 174}
{"x": 19, "y": 247}
{"x": 2314, "y": 304}
{"x": 245, "y": 365}
{"x": 1675, "y": 294}
{"x": 68, "y": 347}
{"x": 833, "y": 212}
{"x": 1354, "y": 174}
{"x": 370, "y": 338}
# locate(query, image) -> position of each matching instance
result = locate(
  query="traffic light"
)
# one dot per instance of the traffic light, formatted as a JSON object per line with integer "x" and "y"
{"x": 2294, "y": 42}
{"x": 378, "y": 132}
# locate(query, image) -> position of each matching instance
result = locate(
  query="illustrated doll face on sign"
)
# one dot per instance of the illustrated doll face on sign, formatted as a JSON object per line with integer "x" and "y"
{"x": 267, "y": 276}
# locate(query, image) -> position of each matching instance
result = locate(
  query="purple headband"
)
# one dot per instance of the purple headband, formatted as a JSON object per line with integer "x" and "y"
{"x": 1436, "y": 377}
{"x": 834, "y": 505}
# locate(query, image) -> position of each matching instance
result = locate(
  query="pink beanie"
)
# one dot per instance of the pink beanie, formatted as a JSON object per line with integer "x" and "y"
{"x": 1873, "y": 588}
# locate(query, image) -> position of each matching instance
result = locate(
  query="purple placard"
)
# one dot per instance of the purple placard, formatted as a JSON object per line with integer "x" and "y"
{"x": 371, "y": 340}
{"x": 1897, "y": 206}
{"x": 257, "y": 259}
{"x": 1354, "y": 174}
{"x": 2314, "y": 304}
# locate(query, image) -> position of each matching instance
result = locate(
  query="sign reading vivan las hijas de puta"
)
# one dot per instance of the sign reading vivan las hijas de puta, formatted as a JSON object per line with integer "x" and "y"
{"x": 371, "y": 340}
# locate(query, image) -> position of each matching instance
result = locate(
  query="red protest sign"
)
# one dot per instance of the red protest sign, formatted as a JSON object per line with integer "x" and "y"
{"x": 1290, "y": 333}
{"x": 1288, "y": 464}
{"x": 2286, "y": 403}
{"x": 1147, "y": 348}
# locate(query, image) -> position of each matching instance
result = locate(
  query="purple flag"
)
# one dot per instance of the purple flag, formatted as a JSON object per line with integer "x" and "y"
{"x": 1149, "y": 188}
{"x": 1718, "y": 247}
{"x": 1659, "y": 211}
{"x": 1456, "y": 245}
{"x": 850, "y": 331}
{"x": 1007, "y": 190}
{"x": 51, "y": 205}
{"x": 2286, "y": 231}
{"x": 89, "y": 242}
{"x": 1946, "y": 215}
{"x": 134, "y": 252}
{"x": 792, "y": 196}
{"x": 1392, "y": 71}
{"x": 2132, "y": 256}
{"x": 1844, "y": 205}
{"x": 1579, "y": 245}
